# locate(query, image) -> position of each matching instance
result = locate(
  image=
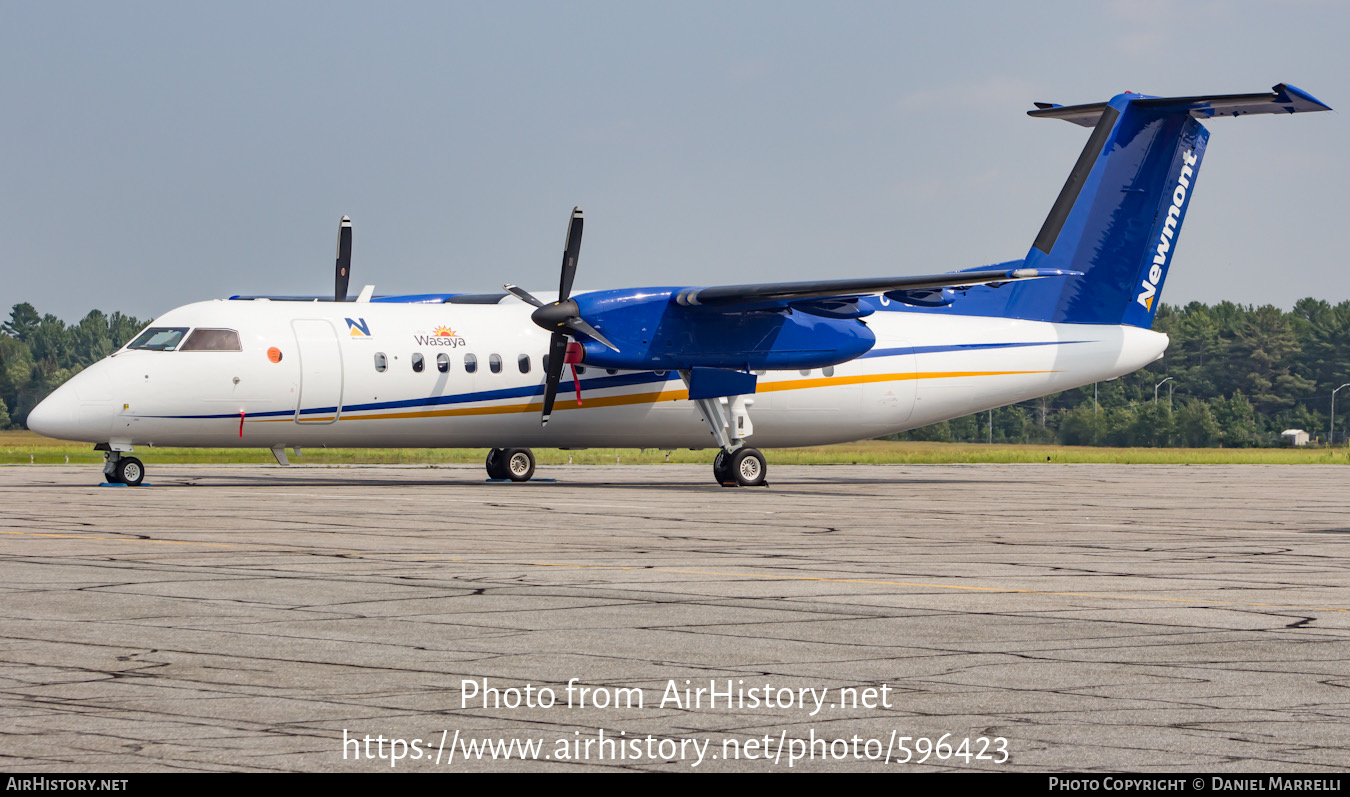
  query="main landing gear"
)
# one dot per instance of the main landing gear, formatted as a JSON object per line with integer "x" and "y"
{"x": 516, "y": 464}
{"x": 728, "y": 419}
{"x": 744, "y": 467}
{"x": 118, "y": 469}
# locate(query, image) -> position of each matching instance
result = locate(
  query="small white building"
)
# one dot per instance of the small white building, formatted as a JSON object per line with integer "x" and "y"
{"x": 1294, "y": 437}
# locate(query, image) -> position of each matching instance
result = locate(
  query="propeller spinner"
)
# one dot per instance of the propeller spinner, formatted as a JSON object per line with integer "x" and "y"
{"x": 561, "y": 317}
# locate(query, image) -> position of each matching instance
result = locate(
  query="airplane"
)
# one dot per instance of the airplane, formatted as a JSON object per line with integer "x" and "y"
{"x": 779, "y": 364}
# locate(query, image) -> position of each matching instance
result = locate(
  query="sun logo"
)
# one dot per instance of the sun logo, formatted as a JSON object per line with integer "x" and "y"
{"x": 444, "y": 332}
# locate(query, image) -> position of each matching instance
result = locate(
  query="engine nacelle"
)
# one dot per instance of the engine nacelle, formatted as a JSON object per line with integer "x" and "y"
{"x": 653, "y": 332}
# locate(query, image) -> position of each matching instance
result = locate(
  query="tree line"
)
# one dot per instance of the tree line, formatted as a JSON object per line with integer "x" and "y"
{"x": 39, "y": 353}
{"x": 1236, "y": 376}
{"x": 1239, "y": 376}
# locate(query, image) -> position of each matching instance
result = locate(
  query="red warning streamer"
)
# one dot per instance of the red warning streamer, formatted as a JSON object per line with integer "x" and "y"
{"x": 574, "y": 355}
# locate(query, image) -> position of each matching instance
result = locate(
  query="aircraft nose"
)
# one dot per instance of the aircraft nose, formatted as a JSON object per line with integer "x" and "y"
{"x": 53, "y": 416}
{"x": 66, "y": 414}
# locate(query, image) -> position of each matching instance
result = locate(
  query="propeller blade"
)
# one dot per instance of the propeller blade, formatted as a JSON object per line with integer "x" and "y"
{"x": 560, "y": 315}
{"x": 523, "y": 295}
{"x": 557, "y": 352}
{"x": 344, "y": 260}
{"x": 571, "y": 251}
{"x": 581, "y": 326}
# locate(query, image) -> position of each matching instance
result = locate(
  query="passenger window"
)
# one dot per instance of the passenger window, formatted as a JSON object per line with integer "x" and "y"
{"x": 418, "y": 363}
{"x": 495, "y": 363}
{"x": 212, "y": 340}
{"x": 470, "y": 363}
{"x": 805, "y": 372}
{"x": 828, "y": 370}
{"x": 580, "y": 369}
{"x": 523, "y": 362}
{"x": 443, "y": 362}
{"x": 381, "y": 362}
{"x": 611, "y": 371}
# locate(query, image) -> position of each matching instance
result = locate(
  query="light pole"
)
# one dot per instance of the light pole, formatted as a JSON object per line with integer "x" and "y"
{"x": 1160, "y": 384}
{"x": 1331, "y": 436}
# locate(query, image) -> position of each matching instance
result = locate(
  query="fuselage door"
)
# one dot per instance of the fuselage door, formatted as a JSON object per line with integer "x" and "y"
{"x": 320, "y": 398}
{"x": 891, "y": 401}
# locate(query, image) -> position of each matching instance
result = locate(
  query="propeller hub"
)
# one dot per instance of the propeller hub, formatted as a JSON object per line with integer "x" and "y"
{"x": 554, "y": 316}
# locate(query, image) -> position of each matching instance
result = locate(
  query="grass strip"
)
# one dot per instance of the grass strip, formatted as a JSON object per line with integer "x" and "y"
{"x": 23, "y": 448}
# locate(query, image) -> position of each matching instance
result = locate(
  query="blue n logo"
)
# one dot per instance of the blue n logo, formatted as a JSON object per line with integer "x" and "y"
{"x": 359, "y": 327}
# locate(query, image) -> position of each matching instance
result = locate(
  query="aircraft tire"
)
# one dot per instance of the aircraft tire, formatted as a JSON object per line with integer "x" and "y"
{"x": 721, "y": 471}
{"x": 747, "y": 467}
{"x": 129, "y": 471}
{"x": 518, "y": 464}
{"x": 496, "y": 464}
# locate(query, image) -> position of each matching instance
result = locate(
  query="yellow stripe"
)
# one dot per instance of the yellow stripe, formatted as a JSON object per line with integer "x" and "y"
{"x": 798, "y": 384}
{"x": 538, "y": 406}
{"x": 677, "y": 394}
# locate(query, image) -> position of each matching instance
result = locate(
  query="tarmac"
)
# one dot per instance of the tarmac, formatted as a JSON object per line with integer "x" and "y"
{"x": 1050, "y": 618}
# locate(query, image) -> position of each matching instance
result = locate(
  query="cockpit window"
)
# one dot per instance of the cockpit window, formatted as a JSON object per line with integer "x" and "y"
{"x": 159, "y": 338}
{"x": 212, "y": 340}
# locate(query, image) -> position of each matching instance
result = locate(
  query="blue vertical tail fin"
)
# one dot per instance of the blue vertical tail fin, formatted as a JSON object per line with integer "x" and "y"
{"x": 1119, "y": 216}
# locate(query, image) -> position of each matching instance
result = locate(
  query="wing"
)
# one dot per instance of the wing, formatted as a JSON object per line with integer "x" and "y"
{"x": 896, "y": 287}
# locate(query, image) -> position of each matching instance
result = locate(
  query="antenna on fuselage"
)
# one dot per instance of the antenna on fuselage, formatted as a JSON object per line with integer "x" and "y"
{"x": 344, "y": 260}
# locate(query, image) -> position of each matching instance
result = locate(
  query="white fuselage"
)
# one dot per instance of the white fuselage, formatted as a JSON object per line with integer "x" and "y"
{"x": 326, "y": 390}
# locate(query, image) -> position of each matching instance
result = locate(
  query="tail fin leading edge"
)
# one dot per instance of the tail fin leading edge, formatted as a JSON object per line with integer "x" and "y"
{"x": 1119, "y": 216}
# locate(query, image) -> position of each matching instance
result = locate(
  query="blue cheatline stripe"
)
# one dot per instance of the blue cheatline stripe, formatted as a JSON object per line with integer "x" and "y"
{"x": 593, "y": 383}
{"x": 526, "y": 391}
{"x": 963, "y": 347}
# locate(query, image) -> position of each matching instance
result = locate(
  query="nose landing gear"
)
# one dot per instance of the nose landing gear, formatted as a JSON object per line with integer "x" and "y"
{"x": 118, "y": 469}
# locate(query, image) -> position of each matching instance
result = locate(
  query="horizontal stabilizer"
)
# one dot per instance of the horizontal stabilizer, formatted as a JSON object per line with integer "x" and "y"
{"x": 1283, "y": 98}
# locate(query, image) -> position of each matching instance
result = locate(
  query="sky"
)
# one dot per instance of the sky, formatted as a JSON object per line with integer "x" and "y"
{"x": 156, "y": 154}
